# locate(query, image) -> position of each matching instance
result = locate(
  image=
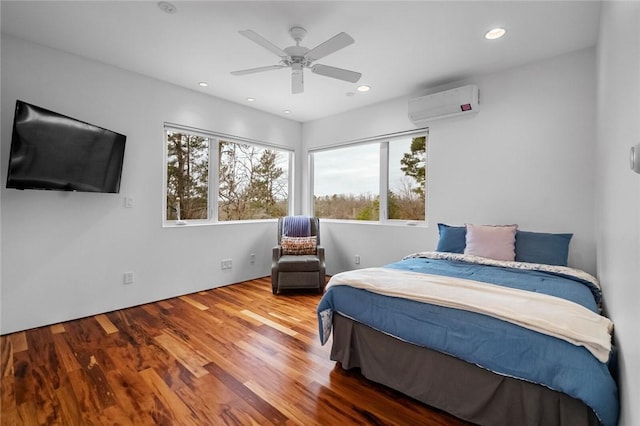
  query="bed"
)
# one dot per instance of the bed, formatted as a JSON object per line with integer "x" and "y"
{"x": 491, "y": 341}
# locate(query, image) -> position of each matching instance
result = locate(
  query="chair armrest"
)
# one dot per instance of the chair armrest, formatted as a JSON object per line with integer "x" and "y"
{"x": 320, "y": 254}
{"x": 276, "y": 253}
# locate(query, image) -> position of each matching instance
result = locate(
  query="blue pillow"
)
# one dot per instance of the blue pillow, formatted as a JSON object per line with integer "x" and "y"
{"x": 453, "y": 239}
{"x": 539, "y": 247}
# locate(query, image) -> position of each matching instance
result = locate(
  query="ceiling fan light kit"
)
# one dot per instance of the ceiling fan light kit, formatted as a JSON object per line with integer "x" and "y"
{"x": 299, "y": 57}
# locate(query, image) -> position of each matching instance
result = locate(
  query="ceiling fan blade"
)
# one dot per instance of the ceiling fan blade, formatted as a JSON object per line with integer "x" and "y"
{"x": 257, "y": 38}
{"x": 297, "y": 79}
{"x": 259, "y": 69}
{"x": 339, "y": 73}
{"x": 335, "y": 43}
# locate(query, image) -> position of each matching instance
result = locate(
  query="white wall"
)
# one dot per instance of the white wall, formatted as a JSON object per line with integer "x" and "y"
{"x": 527, "y": 157}
{"x": 64, "y": 254}
{"x": 618, "y": 190}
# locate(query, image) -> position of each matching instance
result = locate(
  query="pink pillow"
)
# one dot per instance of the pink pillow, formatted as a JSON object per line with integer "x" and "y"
{"x": 492, "y": 241}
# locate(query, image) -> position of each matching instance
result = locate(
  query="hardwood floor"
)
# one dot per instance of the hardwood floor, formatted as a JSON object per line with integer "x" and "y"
{"x": 234, "y": 355}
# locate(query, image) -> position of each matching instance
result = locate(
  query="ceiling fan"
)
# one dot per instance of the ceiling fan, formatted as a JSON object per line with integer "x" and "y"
{"x": 299, "y": 57}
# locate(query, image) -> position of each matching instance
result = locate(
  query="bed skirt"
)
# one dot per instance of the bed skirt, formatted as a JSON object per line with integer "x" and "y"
{"x": 452, "y": 385}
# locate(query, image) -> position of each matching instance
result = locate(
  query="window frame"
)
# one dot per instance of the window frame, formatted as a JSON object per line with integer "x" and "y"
{"x": 384, "y": 141}
{"x": 213, "y": 176}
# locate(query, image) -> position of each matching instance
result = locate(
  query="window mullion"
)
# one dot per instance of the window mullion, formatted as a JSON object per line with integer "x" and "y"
{"x": 214, "y": 178}
{"x": 310, "y": 202}
{"x": 290, "y": 184}
{"x": 384, "y": 181}
{"x": 165, "y": 177}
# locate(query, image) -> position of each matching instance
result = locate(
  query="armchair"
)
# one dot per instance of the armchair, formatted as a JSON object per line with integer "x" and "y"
{"x": 298, "y": 259}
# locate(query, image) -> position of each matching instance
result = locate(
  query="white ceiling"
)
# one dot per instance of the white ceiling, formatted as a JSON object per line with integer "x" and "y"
{"x": 401, "y": 48}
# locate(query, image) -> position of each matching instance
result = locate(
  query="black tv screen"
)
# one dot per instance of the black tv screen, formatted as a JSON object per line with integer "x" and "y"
{"x": 56, "y": 152}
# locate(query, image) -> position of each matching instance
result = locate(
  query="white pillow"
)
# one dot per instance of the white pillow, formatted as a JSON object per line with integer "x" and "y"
{"x": 491, "y": 241}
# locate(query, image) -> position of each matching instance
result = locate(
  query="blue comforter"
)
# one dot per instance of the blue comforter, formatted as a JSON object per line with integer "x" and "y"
{"x": 498, "y": 346}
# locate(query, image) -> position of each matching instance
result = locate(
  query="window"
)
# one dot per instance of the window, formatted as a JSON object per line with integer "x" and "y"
{"x": 246, "y": 180}
{"x": 187, "y": 176}
{"x": 348, "y": 181}
{"x": 253, "y": 182}
{"x": 407, "y": 177}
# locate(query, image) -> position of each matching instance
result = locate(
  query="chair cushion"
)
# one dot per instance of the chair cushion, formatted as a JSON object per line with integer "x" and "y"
{"x": 298, "y": 263}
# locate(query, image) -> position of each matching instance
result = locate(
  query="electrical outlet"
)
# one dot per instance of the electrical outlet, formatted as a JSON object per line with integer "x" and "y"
{"x": 128, "y": 278}
{"x": 252, "y": 258}
{"x": 128, "y": 202}
{"x": 357, "y": 259}
{"x": 226, "y": 264}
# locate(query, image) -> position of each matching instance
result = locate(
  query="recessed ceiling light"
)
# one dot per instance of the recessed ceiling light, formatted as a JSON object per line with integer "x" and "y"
{"x": 363, "y": 88}
{"x": 167, "y": 7}
{"x": 251, "y": 99}
{"x": 203, "y": 84}
{"x": 495, "y": 33}
{"x": 286, "y": 111}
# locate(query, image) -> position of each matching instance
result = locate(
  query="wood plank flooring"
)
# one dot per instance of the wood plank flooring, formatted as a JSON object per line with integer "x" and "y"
{"x": 235, "y": 355}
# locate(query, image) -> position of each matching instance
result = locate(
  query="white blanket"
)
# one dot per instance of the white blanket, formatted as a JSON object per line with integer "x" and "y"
{"x": 550, "y": 315}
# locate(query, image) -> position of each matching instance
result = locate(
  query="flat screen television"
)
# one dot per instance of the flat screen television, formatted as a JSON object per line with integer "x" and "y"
{"x": 55, "y": 152}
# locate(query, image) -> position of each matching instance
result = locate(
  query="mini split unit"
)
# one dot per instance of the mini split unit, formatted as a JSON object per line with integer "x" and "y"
{"x": 450, "y": 103}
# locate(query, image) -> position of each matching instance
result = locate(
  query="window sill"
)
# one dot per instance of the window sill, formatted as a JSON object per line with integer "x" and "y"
{"x": 197, "y": 223}
{"x": 398, "y": 223}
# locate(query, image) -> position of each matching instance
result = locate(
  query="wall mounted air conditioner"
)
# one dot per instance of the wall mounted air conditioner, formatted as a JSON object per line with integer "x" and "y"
{"x": 450, "y": 103}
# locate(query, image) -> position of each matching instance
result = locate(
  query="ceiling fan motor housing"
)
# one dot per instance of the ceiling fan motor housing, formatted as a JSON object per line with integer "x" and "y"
{"x": 296, "y": 55}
